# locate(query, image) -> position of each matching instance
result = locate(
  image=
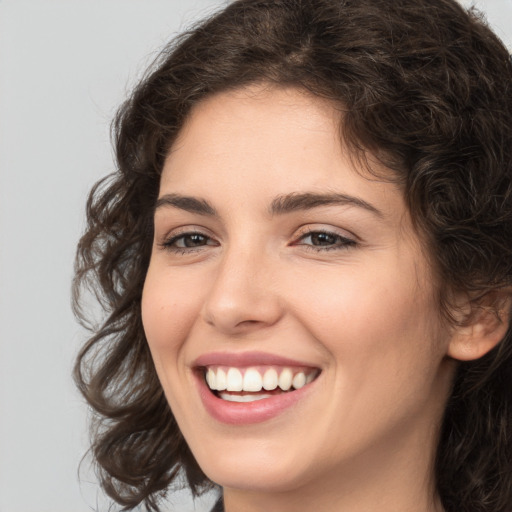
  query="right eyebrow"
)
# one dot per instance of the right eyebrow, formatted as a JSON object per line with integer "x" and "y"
{"x": 309, "y": 200}
{"x": 187, "y": 203}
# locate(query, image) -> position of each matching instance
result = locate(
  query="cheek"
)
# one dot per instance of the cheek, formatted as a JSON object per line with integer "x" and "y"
{"x": 365, "y": 318}
{"x": 384, "y": 341}
{"x": 169, "y": 309}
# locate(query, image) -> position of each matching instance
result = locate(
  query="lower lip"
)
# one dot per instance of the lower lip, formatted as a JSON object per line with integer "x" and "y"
{"x": 245, "y": 413}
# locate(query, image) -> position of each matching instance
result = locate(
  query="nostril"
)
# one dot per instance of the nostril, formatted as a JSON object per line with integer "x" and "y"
{"x": 248, "y": 323}
{"x": 236, "y": 303}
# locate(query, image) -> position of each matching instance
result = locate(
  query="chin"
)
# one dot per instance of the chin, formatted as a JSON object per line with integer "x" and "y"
{"x": 253, "y": 468}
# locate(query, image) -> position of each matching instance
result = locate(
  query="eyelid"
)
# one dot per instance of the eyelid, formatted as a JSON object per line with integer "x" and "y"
{"x": 322, "y": 228}
{"x": 173, "y": 231}
{"x": 343, "y": 240}
{"x": 166, "y": 240}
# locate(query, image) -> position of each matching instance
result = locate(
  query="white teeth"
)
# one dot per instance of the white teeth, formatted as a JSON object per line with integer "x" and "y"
{"x": 252, "y": 380}
{"x": 298, "y": 381}
{"x": 222, "y": 381}
{"x": 270, "y": 379}
{"x": 211, "y": 379}
{"x": 285, "y": 379}
{"x": 243, "y": 398}
{"x": 234, "y": 381}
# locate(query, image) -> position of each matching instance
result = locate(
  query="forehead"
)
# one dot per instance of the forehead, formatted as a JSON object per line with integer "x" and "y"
{"x": 260, "y": 142}
{"x": 250, "y": 119}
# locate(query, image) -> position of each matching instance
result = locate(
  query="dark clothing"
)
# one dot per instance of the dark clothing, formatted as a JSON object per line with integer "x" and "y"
{"x": 219, "y": 506}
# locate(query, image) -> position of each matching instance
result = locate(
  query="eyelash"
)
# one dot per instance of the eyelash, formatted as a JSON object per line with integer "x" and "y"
{"x": 169, "y": 244}
{"x": 340, "y": 242}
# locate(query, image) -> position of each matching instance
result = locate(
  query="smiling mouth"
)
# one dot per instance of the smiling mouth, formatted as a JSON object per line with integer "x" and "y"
{"x": 249, "y": 384}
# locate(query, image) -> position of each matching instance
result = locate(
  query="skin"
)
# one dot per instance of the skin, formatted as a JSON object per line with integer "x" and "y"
{"x": 365, "y": 312}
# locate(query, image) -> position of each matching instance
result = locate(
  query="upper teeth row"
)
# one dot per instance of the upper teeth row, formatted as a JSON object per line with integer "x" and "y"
{"x": 231, "y": 379}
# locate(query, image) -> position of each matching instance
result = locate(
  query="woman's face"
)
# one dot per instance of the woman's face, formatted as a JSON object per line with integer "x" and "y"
{"x": 276, "y": 263}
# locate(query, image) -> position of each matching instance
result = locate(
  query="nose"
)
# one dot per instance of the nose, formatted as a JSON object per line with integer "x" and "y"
{"x": 243, "y": 294}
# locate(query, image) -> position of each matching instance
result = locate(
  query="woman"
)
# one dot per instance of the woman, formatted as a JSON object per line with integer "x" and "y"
{"x": 305, "y": 257}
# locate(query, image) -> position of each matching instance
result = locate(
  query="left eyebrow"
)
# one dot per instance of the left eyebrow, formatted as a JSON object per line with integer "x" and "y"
{"x": 308, "y": 200}
{"x": 187, "y": 203}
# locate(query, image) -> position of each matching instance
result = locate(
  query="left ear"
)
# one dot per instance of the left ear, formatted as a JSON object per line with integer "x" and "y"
{"x": 486, "y": 322}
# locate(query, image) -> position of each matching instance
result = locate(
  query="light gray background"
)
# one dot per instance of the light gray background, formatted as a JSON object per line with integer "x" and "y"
{"x": 64, "y": 67}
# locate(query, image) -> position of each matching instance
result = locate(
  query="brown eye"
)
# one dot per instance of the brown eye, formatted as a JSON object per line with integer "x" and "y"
{"x": 193, "y": 240}
{"x": 186, "y": 241}
{"x": 325, "y": 240}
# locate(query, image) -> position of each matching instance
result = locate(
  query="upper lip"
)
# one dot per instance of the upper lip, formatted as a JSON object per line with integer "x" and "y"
{"x": 242, "y": 359}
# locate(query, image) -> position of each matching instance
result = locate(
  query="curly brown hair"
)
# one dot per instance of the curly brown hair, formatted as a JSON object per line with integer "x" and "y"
{"x": 423, "y": 82}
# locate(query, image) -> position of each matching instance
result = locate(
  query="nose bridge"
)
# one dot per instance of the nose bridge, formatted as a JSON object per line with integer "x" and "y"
{"x": 242, "y": 295}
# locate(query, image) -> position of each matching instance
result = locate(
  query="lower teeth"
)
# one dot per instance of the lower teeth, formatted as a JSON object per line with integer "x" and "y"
{"x": 243, "y": 398}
